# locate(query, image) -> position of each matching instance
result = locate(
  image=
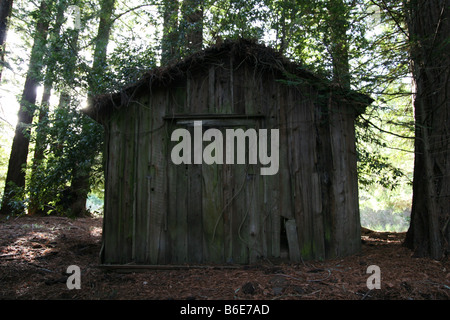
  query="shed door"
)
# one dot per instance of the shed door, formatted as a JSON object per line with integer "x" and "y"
{"x": 213, "y": 208}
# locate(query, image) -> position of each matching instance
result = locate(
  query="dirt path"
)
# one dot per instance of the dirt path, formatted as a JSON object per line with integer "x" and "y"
{"x": 35, "y": 254}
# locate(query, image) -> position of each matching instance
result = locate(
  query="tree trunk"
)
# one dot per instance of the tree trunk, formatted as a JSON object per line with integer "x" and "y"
{"x": 39, "y": 149}
{"x": 289, "y": 10}
{"x": 80, "y": 185}
{"x": 338, "y": 41}
{"x": 169, "y": 42}
{"x": 5, "y": 14}
{"x": 101, "y": 44}
{"x": 41, "y": 138}
{"x": 15, "y": 179}
{"x": 191, "y": 28}
{"x": 428, "y": 24}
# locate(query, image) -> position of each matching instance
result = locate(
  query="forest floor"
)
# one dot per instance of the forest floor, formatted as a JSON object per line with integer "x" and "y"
{"x": 36, "y": 251}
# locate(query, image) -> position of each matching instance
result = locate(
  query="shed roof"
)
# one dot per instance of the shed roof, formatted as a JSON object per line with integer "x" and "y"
{"x": 241, "y": 50}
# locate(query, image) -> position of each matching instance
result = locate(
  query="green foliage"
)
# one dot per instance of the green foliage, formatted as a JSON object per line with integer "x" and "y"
{"x": 74, "y": 145}
{"x": 17, "y": 200}
{"x": 126, "y": 65}
{"x": 232, "y": 19}
{"x": 5, "y": 145}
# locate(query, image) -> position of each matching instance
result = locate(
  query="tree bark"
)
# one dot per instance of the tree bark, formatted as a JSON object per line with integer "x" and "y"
{"x": 5, "y": 14}
{"x": 428, "y": 24}
{"x": 15, "y": 179}
{"x": 169, "y": 42}
{"x": 101, "y": 44}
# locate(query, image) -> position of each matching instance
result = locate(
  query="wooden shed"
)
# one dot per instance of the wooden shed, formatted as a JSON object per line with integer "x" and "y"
{"x": 157, "y": 212}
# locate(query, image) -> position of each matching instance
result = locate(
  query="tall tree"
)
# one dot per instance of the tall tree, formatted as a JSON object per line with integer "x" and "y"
{"x": 5, "y": 14}
{"x": 15, "y": 179}
{"x": 50, "y": 61}
{"x": 289, "y": 10}
{"x": 169, "y": 41}
{"x": 100, "y": 50}
{"x": 429, "y": 24}
{"x": 338, "y": 25}
{"x": 80, "y": 184}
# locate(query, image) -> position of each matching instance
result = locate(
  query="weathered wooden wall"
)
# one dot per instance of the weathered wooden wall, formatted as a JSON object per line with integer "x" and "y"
{"x": 157, "y": 212}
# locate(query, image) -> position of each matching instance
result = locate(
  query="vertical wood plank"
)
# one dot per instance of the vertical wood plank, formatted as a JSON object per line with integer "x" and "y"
{"x": 222, "y": 89}
{"x": 211, "y": 88}
{"x": 194, "y": 214}
{"x": 157, "y": 209}
{"x": 325, "y": 173}
{"x": 181, "y": 233}
{"x": 141, "y": 162}
{"x": 255, "y": 247}
{"x": 125, "y": 229}
{"x": 344, "y": 183}
{"x": 212, "y": 215}
{"x": 172, "y": 199}
{"x": 292, "y": 237}
{"x": 240, "y": 219}
{"x": 285, "y": 171}
{"x": 198, "y": 88}
{"x": 112, "y": 196}
{"x": 227, "y": 211}
{"x": 239, "y": 82}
